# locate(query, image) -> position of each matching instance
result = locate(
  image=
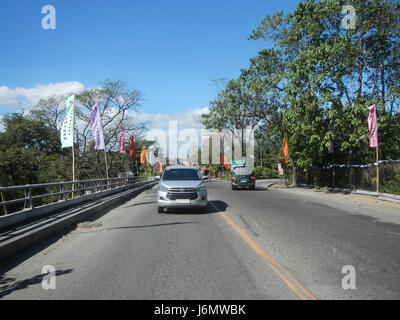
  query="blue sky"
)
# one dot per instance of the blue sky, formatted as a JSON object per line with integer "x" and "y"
{"x": 170, "y": 50}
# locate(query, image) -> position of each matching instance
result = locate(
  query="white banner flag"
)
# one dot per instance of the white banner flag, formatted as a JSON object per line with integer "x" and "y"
{"x": 67, "y": 128}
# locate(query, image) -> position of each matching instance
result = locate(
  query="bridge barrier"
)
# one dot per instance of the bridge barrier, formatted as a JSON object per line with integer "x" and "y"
{"x": 18, "y": 239}
{"x": 87, "y": 190}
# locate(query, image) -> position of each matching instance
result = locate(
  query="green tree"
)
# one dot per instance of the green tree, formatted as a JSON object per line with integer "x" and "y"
{"x": 334, "y": 74}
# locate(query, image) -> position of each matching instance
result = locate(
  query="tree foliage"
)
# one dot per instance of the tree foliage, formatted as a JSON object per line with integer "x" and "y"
{"x": 30, "y": 147}
{"x": 318, "y": 72}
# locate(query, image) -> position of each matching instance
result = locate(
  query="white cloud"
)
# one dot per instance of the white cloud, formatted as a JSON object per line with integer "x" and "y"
{"x": 12, "y": 97}
{"x": 188, "y": 126}
{"x": 189, "y": 119}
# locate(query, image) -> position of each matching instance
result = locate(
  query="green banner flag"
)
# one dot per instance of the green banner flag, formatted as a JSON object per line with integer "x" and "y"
{"x": 67, "y": 128}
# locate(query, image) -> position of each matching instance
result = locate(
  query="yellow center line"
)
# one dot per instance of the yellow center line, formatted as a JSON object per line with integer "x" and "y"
{"x": 291, "y": 282}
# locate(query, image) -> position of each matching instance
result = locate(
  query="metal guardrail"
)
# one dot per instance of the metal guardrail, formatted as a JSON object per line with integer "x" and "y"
{"x": 65, "y": 189}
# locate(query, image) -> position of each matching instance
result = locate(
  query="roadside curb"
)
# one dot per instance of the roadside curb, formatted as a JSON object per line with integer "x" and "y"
{"x": 20, "y": 242}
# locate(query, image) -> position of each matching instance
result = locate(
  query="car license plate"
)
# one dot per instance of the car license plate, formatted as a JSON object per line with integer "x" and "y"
{"x": 183, "y": 200}
{"x": 243, "y": 181}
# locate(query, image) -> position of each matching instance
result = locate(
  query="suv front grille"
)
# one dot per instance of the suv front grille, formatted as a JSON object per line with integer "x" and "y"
{"x": 182, "y": 193}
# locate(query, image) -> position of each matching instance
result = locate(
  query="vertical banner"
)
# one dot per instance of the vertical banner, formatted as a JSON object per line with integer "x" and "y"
{"x": 150, "y": 155}
{"x": 121, "y": 142}
{"x": 143, "y": 156}
{"x": 67, "y": 128}
{"x": 97, "y": 128}
{"x": 158, "y": 166}
{"x": 98, "y": 135}
{"x": 280, "y": 169}
{"x": 285, "y": 148}
{"x": 225, "y": 163}
{"x": 373, "y": 138}
{"x": 67, "y": 134}
{"x": 372, "y": 127}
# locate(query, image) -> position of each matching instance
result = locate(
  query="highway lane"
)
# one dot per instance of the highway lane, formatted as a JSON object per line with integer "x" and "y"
{"x": 133, "y": 252}
{"x": 263, "y": 244}
{"x": 315, "y": 240}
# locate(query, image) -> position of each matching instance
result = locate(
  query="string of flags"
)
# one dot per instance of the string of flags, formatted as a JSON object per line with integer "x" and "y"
{"x": 360, "y": 165}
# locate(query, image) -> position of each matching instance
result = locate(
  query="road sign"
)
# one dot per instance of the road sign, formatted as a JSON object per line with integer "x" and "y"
{"x": 238, "y": 162}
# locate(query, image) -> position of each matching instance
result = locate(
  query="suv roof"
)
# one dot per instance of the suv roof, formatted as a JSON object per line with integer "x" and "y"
{"x": 180, "y": 167}
{"x": 243, "y": 170}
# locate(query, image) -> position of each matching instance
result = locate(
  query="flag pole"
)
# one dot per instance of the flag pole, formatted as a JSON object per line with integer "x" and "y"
{"x": 73, "y": 157}
{"x": 377, "y": 169}
{"x": 67, "y": 135}
{"x": 373, "y": 138}
{"x": 73, "y": 171}
{"x": 105, "y": 159}
{"x": 333, "y": 170}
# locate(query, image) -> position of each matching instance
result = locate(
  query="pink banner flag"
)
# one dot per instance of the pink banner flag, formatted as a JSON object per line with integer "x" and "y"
{"x": 372, "y": 127}
{"x": 121, "y": 145}
{"x": 280, "y": 169}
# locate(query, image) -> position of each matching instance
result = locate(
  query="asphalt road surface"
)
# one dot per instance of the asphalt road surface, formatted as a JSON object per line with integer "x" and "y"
{"x": 262, "y": 244}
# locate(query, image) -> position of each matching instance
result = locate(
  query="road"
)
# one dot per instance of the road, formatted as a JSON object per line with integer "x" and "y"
{"x": 263, "y": 244}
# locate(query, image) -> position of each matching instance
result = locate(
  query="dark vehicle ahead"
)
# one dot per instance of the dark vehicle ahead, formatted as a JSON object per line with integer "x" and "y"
{"x": 243, "y": 177}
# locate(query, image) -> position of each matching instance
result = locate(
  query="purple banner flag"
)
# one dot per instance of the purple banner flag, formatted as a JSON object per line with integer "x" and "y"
{"x": 121, "y": 145}
{"x": 97, "y": 128}
{"x": 372, "y": 127}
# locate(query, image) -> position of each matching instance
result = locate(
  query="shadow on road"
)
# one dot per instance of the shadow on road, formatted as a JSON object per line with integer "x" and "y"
{"x": 133, "y": 227}
{"x": 9, "y": 285}
{"x": 150, "y": 225}
{"x": 256, "y": 189}
{"x": 139, "y": 204}
{"x": 221, "y": 205}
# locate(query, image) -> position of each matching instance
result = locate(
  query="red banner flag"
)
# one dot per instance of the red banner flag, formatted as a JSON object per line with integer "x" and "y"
{"x": 225, "y": 163}
{"x": 285, "y": 148}
{"x": 372, "y": 127}
{"x": 132, "y": 149}
{"x": 158, "y": 165}
{"x": 143, "y": 155}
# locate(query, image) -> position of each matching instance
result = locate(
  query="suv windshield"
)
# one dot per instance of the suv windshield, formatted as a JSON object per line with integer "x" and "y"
{"x": 181, "y": 174}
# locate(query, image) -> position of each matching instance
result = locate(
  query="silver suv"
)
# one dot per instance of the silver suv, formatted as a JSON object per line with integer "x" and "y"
{"x": 181, "y": 187}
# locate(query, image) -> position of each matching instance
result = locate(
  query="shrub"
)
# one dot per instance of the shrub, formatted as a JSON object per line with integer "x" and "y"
{"x": 392, "y": 186}
{"x": 265, "y": 173}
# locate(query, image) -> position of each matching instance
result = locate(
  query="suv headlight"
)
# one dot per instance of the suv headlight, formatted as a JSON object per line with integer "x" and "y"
{"x": 201, "y": 188}
{"x": 163, "y": 188}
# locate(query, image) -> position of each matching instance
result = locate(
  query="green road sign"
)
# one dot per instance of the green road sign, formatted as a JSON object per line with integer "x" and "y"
{"x": 238, "y": 162}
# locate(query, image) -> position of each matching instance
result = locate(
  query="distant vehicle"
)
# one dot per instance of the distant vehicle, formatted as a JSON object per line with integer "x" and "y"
{"x": 206, "y": 174}
{"x": 181, "y": 187}
{"x": 243, "y": 177}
